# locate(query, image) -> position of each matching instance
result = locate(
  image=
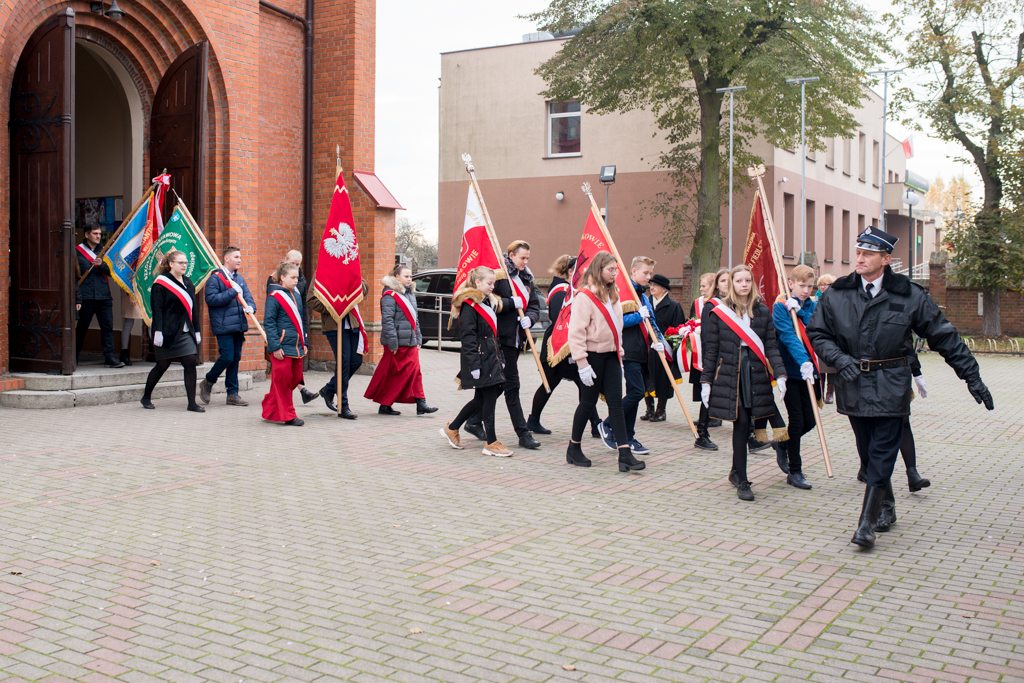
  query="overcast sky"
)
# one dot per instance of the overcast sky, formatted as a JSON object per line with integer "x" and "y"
{"x": 410, "y": 39}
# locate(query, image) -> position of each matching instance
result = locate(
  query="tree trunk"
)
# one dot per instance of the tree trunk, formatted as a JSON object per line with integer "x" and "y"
{"x": 706, "y": 254}
{"x": 991, "y": 325}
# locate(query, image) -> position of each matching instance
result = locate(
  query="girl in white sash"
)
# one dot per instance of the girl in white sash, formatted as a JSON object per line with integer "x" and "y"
{"x": 697, "y": 308}
{"x": 740, "y": 355}
{"x": 175, "y": 334}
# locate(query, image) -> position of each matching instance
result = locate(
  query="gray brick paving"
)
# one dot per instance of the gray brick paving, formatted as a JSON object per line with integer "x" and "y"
{"x": 168, "y": 546}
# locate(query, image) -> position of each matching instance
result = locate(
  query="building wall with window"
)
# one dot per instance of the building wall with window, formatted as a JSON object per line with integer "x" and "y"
{"x": 527, "y": 150}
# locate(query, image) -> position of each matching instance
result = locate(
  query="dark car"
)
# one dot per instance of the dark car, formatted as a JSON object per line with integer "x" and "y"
{"x": 434, "y": 290}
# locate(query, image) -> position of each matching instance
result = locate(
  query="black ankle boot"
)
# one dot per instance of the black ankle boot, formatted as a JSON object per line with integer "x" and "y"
{"x": 704, "y": 442}
{"x": 627, "y": 462}
{"x": 650, "y": 408}
{"x": 865, "y": 534}
{"x": 574, "y": 455}
{"x": 534, "y": 425}
{"x": 307, "y": 395}
{"x": 887, "y": 511}
{"x": 862, "y": 474}
{"x": 422, "y": 408}
{"x": 659, "y": 412}
{"x": 916, "y": 481}
{"x": 126, "y": 357}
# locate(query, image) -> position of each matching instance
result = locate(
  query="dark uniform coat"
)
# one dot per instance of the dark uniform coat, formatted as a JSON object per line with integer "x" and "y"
{"x": 667, "y": 313}
{"x": 480, "y": 349}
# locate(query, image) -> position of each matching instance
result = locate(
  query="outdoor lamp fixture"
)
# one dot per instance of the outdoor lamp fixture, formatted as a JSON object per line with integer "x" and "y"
{"x": 911, "y": 199}
{"x": 559, "y": 195}
{"x": 607, "y": 179}
{"x": 114, "y": 13}
{"x": 784, "y": 180}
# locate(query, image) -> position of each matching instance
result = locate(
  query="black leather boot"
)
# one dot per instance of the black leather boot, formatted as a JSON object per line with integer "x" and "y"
{"x": 126, "y": 357}
{"x": 916, "y": 481}
{"x": 307, "y": 395}
{"x": 865, "y": 534}
{"x": 574, "y": 455}
{"x": 627, "y": 462}
{"x": 887, "y": 512}
{"x": 534, "y": 425}
{"x": 650, "y": 408}
{"x": 862, "y": 474}
{"x": 422, "y": 408}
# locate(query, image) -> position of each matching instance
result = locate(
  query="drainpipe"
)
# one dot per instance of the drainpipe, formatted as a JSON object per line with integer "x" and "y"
{"x": 307, "y": 131}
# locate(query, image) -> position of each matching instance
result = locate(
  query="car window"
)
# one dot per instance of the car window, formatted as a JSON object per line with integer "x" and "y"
{"x": 422, "y": 284}
{"x": 445, "y": 283}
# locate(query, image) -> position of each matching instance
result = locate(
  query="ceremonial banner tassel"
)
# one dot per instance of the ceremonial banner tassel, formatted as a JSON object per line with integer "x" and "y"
{"x": 478, "y": 251}
{"x": 653, "y": 334}
{"x": 338, "y": 281}
{"x": 766, "y": 228}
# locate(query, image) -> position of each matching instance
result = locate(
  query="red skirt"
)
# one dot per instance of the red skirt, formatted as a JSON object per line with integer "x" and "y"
{"x": 397, "y": 378}
{"x": 285, "y": 375}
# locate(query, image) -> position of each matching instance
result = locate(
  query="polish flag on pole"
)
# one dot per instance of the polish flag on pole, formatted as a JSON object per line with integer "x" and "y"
{"x": 908, "y": 147}
{"x": 477, "y": 243}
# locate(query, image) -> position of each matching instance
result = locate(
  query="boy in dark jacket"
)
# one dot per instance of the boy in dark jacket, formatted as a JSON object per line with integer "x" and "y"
{"x": 227, "y": 318}
{"x": 92, "y": 297}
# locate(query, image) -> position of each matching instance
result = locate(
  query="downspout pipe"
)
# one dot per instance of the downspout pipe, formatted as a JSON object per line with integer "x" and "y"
{"x": 307, "y": 131}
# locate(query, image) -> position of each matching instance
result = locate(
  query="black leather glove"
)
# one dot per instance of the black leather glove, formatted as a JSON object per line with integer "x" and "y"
{"x": 850, "y": 372}
{"x": 979, "y": 391}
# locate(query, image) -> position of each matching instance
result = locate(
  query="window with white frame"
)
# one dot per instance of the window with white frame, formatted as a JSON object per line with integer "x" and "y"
{"x": 563, "y": 129}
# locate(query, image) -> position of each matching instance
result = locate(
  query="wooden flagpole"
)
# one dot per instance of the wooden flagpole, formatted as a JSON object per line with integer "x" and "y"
{"x": 338, "y": 336}
{"x": 639, "y": 304}
{"x": 216, "y": 259}
{"x": 757, "y": 173}
{"x": 120, "y": 229}
{"x": 498, "y": 253}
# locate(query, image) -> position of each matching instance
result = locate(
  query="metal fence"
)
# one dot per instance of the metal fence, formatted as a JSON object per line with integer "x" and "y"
{"x": 442, "y": 303}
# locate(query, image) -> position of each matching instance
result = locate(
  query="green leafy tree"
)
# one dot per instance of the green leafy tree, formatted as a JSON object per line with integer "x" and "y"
{"x": 670, "y": 56}
{"x": 970, "y": 52}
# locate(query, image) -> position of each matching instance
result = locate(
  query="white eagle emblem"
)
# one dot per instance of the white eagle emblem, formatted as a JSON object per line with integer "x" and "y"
{"x": 343, "y": 244}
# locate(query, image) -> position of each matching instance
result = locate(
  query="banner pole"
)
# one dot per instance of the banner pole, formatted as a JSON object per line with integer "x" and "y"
{"x": 636, "y": 298}
{"x": 338, "y": 321}
{"x": 784, "y": 287}
{"x": 498, "y": 252}
{"x": 120, "y": 229}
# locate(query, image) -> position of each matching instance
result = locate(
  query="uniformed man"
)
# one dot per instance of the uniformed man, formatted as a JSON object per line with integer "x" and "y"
{"x": 862, "y": 327}
{"x": 93, "y": 298}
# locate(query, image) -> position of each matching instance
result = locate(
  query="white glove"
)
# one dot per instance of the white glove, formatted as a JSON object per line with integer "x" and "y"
{"x": 517, "y": 303}
{"x": 475, "y": 374}
{"x": 237, "y": 287}
{"x": 525, "y": 323}
{"x": 793, "y": 304}
{"x": 921, "y": 388}
{"x": 199, "y": 338}
{"x": 807, "y": 370}
{"x": 705, "y": 394}
{"x": 587, "y": 375}
{"x": 158, "y": 338}
{"x": 249, "y": 309}
{"x": 781, "y": 381}
{"x": 645, "y": 313}
{"x": 658, "y": 346}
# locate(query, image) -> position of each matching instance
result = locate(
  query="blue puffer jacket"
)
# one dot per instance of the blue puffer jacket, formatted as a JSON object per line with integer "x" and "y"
{"x": 226, "y": 313}
{"x": 794, "y": 353}
{"x": 281, "y": 333}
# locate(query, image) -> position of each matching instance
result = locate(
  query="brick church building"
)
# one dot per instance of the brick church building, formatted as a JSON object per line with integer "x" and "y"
{"x": 215, "y": 91}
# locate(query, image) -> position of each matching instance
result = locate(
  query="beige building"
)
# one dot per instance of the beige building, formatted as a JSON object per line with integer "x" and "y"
{"x": 532, "y": 156}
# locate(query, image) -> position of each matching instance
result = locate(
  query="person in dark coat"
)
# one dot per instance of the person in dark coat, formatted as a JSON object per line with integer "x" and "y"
{"x": 482, "y": 359}
{"x": 558, "y": 292}
{"x": 286, "y": 344}
{"x": 516, "y": 292}
{"x": 353, "y": 343}
{"x": 667, "y": 313}
{"x": 92, "y": 297}
{"x": 862, "y": 327}
{"x": 398, "y": 378}
{"x": 175, "y": 332}
{"x": 228, "y": 323}
{"x": 736, "y": 384}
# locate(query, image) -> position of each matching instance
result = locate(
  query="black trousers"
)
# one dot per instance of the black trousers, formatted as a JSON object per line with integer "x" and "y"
{"x": 555, "y": 376}
{"x": 482, "y": 403}
{"x": 908, "y": 449}
{"x": 103, "y": 309}
{"x": 801, "y": 420}
{"x": 609, "y": 383}
{"x": 878, "y": 444}
{"x": 511, "y": 389}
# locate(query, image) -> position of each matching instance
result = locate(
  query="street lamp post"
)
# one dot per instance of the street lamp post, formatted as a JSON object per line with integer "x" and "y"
{"x": 911, "y": 199}
{"x": 885, "y": 116}
{"x": 731, "y": 91}
{"x": 607, "y": 178}
{"x": 803, "y": 163}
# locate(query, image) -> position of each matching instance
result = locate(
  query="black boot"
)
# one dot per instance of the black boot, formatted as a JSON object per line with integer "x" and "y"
{"x": 422, "y": 408}
{"x": 916, "y": 481}
{"x": 574, "y": 455}
{"x": 650, "y": 409}
{"x": 594, "y": 431}
{"x": 865, "y": 534}
{"x": 307, "y": 395}
{"x": 627, "y": 462}
{"x": 126, "y": 357}
{"x": 111, "y": 361}
{"x": 534, "y": 425}
{"x": 887, "y": 512}
{"x": 329, "y": 400}
{"x": 387, "y": 410}
{"x": 659, "y": 412}
{"x": 862, "y": 474}
{"x": 476, "y": 429}
{"x": 704, "y": 442}
{"x": 781, "y": 455}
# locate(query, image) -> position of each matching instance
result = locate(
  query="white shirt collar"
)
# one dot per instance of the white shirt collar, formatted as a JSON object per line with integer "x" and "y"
{"x": 877, "y": 285}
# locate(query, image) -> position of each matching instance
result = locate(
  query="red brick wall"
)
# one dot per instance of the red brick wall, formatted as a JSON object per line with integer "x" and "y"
{"x": 960, "y": 305}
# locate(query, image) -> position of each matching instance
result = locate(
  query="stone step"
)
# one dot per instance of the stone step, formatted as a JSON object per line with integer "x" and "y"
{"x": 98, "y": 376}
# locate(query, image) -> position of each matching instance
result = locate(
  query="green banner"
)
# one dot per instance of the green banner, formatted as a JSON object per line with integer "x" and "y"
{"x": 182, "y": 234}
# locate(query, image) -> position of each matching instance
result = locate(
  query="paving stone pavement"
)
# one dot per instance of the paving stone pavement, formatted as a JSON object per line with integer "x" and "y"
{"x": 170, "y": 546}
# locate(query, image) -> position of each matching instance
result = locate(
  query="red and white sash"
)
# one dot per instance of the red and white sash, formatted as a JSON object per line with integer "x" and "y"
{"x": 403, "y": 303}
{"x": 487, "y": 314}
{"x": 607, "y": 317}
{"x": 561, "y": 287}
{"x": 90, "y": 255}
{"x": 177, "y": 290}
{"x": 744, "y": 332}
{"x": 801, "y": 331}
{"x": 364, "y": 341}
{"x": 519, "y": 292}
{"x": 287, "y": 302}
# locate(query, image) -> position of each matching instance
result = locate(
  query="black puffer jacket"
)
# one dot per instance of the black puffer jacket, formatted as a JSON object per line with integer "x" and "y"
{"x": 848, "y": 326}
{"x": 721, "y": 361}
{"x": 510, "y": 332}
{"x": 480, "y": 348}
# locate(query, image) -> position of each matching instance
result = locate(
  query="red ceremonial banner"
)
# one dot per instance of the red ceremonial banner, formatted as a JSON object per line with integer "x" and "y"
{"x": 477, "y": 245}
{"x": 339, "y": 281}
{"x": 757, "y": 255}
{"x": 592, "y": 242}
